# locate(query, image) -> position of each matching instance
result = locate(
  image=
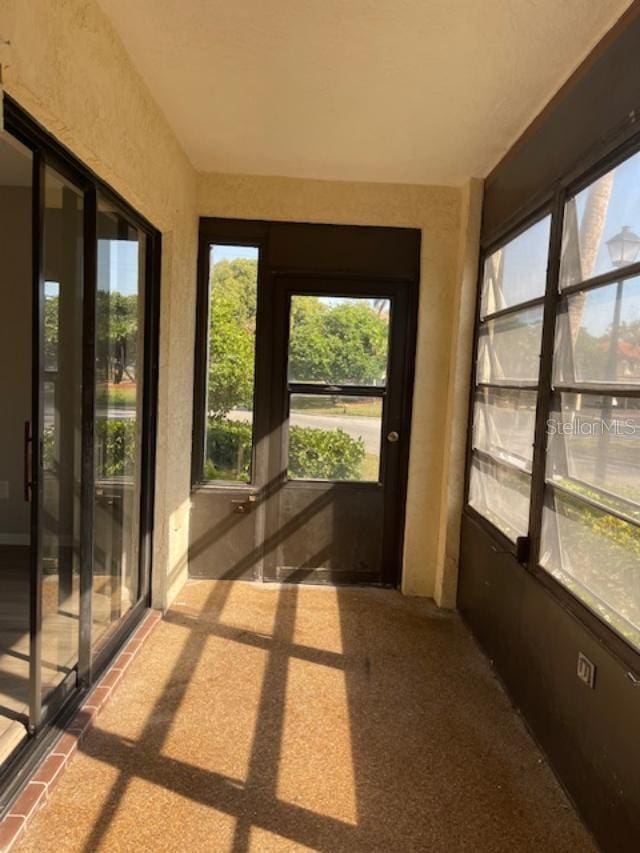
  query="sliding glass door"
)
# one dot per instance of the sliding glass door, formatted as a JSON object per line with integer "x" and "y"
{"x": 60, "y": 350}
{"x": 79, "y": 330}
{"x": 16, "y": 276}
{"x": 118, "y": 417}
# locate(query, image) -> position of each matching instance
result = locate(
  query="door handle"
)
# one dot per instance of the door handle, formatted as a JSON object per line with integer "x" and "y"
{"x": 243, "y": 505}
{"x": 27, "y": 461}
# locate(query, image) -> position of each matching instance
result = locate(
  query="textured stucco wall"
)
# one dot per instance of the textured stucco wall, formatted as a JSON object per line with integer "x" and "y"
{"x": 442, "y": 213}
{"x": 460, "y": 353}
{"x": 67, "y": 67}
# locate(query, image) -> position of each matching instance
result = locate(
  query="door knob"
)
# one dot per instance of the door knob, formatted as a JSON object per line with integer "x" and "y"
{"x": 393, "y": 436}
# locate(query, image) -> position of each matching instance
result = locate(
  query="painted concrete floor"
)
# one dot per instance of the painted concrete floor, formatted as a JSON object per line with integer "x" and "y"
{"x": 268, "y": 718}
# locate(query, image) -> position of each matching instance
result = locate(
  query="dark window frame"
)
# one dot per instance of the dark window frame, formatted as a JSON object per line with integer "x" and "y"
{"x": 63, "y": 702}
{"x": 520, "y": 547}
{"x": 526, "y": 549}
{"x": 249, "y": 234}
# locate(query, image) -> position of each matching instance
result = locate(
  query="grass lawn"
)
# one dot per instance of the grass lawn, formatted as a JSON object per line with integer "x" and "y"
{"x": 116, "y": 395}
{"x": 358, "y": 407}
{"x": 370, "y": 467}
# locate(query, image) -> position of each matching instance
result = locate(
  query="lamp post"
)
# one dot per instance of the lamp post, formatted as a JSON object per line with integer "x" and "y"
{"x": 623, "y": 250}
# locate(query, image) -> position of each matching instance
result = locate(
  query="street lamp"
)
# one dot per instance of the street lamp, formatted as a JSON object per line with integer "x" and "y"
{"x": 623, "y": 248}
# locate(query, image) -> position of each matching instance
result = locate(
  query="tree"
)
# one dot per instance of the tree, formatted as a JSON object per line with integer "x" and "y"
{"x": 338, "y": 344}
{"x": 116, "y": 334}
{"x": 232, "y": 324}
{"x": 335, "y": 343}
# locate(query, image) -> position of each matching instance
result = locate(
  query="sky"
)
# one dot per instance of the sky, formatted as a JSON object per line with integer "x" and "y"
{"x": 118, "y": 266}
{"x": 232, "y": 253}
{"x": 526, "y": 256}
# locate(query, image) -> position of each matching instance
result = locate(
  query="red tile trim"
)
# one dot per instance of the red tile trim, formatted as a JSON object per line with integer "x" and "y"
{"x": 37, "y": 790}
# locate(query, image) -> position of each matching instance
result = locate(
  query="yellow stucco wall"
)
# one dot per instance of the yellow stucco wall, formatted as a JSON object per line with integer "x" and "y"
{"x": 449, "y": 219}
{"x": 68, "y": 68}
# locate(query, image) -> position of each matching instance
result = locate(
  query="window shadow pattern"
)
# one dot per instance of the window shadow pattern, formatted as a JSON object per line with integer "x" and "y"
{"x": 423, "y": 713}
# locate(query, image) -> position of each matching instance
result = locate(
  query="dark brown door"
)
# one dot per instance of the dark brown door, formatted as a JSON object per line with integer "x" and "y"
{"x": 304, "y": 369}
{"x": 338, "y": 430}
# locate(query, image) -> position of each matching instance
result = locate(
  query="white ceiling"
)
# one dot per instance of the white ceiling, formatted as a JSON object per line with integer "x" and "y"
{"x": 413, "y": 91}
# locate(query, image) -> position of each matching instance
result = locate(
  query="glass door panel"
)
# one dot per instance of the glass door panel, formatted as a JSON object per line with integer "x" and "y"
{"x": 61, "y": 426}
{"x": 334, "y": 438}
{"x": 336, "y": 431}
{"x": 118, "y": 418}
{"x": 16, "y": 284}
{"x": 338, "y": 340}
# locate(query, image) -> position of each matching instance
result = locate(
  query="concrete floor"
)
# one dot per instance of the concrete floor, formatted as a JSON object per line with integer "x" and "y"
{"x": 266, "y": 718}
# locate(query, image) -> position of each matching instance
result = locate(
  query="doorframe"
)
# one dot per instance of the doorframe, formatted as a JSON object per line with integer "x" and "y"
{"x": 66, "y": 698}
{"x": 399, "y": 249}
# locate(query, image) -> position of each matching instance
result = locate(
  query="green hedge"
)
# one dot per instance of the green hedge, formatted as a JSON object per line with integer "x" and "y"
{"x": 313, "y": 453}
{"x": 229, "y": 443}
{"x": 116, "y": 446}
{"x": 324, "y": 454}
{"x": 116, "y": 443}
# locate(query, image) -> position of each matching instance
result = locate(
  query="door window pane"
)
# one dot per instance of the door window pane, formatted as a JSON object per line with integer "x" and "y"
{"x": 597, "y": 557}
{"x": 233, "y": 290}
{"x": 597, "y": 216}
{"x": 501, "y": 495}
{"x": 598, "y": 335}
{"x": 595, "y": 440}
{"x": 503, "y": 424}
{"x": 16, "y": 284}
{"x": 334, "y": 438}
{"x": 509, "y": 348}
{"x": 118, "y": 401}
{"x": 62, "y": 426}
{"x": 516, "y": 272}
{"x": 338, "y": 340}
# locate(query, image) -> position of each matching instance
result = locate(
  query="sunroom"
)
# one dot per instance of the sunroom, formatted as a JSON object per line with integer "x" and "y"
{"x": 320, "y": 481}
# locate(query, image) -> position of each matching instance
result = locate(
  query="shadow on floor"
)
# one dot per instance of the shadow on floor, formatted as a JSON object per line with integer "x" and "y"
{"x": 261, "y": 718}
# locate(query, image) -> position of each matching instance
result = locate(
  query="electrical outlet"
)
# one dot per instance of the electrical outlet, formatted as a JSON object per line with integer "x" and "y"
{"x": 586, "y": 670}
{"x": 4, "y": 490}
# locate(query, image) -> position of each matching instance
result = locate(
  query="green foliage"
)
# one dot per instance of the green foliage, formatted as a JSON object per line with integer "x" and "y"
{"x": 322, "y": 454}
{"x": 232, "y": 325}
{"x": 346, "y": 342}
{"x": 116, "y": 448}
{"x": 337, "y": 344}
{"x": 228, "y": 455}
{"x": 116, "y": 443}
{"x": 116, "y": 335}
{"x": 117, "y": 326}
{"x": 51, "y": 323}
{"x": 313, "y": 453}
{"x": 609, "y": 527}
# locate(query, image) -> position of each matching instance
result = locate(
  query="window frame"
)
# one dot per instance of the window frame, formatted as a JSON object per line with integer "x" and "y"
{"x": 519, "y": 548}
{"x": 323, "y": 389}
{"x": 201, "y": 384}
{"x": 526, "y": 550}
{"x": 250, "y": 234}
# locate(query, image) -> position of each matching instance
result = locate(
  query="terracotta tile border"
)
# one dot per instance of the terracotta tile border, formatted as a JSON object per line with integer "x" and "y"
{"x": 36, "y": 792}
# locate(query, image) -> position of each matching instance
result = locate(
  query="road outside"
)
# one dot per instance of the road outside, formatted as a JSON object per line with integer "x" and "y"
{"x": 368, "y": 429}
